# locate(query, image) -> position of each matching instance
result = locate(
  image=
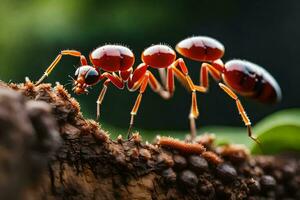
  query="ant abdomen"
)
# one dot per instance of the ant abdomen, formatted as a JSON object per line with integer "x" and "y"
{"x": 251, "y": 80}
{"x": 159, "y": 56}
{"x": 200, "y": 48}
{"x": 112, "y": 58}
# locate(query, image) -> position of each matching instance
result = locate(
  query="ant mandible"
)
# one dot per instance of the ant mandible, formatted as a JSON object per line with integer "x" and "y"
{"x": 238, "y": 76}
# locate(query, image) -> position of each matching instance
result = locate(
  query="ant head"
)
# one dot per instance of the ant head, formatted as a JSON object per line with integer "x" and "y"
{"x": 85, "y": 76}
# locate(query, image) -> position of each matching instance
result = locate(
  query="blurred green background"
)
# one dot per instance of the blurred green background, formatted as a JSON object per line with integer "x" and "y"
{"x": 265, "y": 32}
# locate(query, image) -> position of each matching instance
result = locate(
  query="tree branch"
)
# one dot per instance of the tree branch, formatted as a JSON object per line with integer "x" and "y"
{"x": 49, "y": 151}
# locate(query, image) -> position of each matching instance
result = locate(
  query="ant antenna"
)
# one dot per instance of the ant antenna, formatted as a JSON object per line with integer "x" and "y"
{"x": 71, "y": 77}
{"x": 69, "y": 83}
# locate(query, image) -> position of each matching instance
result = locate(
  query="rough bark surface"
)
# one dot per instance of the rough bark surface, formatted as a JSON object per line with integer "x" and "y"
{"x": 49, "y": 151}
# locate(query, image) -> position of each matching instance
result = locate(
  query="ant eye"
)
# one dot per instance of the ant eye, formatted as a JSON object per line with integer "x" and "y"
{"x": 91, "y": 77}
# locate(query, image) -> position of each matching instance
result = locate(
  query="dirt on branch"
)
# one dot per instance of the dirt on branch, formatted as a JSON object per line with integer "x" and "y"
{"x": 49, "y": 151}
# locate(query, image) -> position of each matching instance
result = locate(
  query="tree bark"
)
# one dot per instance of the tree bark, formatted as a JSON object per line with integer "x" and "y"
{"x": 49, "y": 151}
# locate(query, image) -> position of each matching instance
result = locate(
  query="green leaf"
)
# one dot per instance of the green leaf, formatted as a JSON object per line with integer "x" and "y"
{"x": 228, "y": 134}
{"x": 279, "y": 132}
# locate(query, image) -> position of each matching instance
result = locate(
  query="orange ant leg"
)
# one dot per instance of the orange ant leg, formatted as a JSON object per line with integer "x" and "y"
{"x": 179, "y": 75}
{"x": 163, "y": 75}
{"x": 241, "y": 110}
{"x": 137, "y": 103}
{"x": 194, "y": 113}
{"x": 115, "y": 79}
{"x": 183, "y": 75}
{"x": 186, "y": 80}
{"x": 170, "y": 85}
{"x": 125, "y": 74}
{"x": 156, "y": 87}
{"x": 57, "y": 59}
{"x": 205, "y": 69}
{"x": 111, "y": 78}
{"x": 215, "y": 72}
{"x": 182, "y": 79}
{"x": 101, "y": 97}
{"x": 140, "y": 79}
{"x": 136, "y": 78}
{"x": 202, "y": 88}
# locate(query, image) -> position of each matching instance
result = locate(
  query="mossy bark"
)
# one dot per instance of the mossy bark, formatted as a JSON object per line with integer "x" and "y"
{"x": 49, "y": 151}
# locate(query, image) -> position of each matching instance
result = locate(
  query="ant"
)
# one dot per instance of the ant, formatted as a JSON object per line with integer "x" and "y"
{"x": 238, "y": 76}
{"x": 114, "y": 59}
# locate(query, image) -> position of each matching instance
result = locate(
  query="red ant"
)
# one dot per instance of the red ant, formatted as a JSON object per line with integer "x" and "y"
{"x": 241, "y": 76}
{"x": 116, "y": 58}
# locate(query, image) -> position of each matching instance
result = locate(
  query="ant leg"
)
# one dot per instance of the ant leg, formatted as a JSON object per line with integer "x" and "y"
{"x": 154, "y": 84}
{"x": 167, "y": 92}
{"x": 184, "y": 78}
{"x": 137, "y": 103}
{"x": 184, "y": 73}
{"x": 204, "y": 70}
{"x": 136, "y": 78}
{"x": 194, "y": 113}
{"x": 111, "y": 78}
{"x": 241, "y": 110}
{"x": 101, "y": 97}
{"x": 156, "y": 87}
{"x": 114, "y": 78}
{"x": 57, "y": 59}
{"x": 170, "y": 85}
{"x": 163, "y": 76}
{"x": 125, "y": 75}
{"x": 83, "y": 60}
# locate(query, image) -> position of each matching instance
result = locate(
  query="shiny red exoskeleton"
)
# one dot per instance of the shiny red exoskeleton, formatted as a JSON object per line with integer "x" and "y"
{"x": 112, "y": 58}
{"x": 159, "y": 56}
{"x": 251, "y": 80}
{"x": 240, "y": 76}
{"x": 201, "y": 48}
